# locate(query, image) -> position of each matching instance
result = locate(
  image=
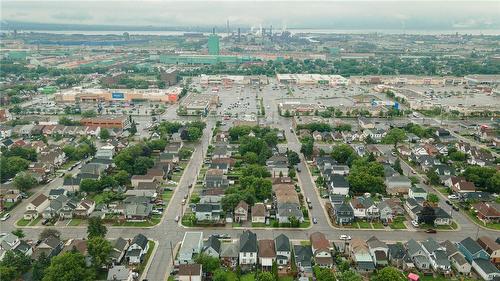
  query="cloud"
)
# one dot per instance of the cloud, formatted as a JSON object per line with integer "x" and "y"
{"x": 293, "y": 14}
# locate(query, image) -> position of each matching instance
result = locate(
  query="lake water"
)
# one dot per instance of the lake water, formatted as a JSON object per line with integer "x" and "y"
{"x": 291, "y": 30}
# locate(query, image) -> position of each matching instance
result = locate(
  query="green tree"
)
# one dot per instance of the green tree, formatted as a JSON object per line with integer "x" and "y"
{"x": 142, "y": 164}
{"x": 274, "y": 270}
{"x": 293, "y": 158}
{"x": 185, "y": 153}
{"x": 10, "y": 166}
{"x": 99, "y": 249}
{"x": 39, "y": 266}
{"x": 23, "y": 152}
{"x": 265, "y": 276}
{"x": 251, "y": 157}
{"x": 395, "y": 136}
{"x": 69, "y": 266}
{"x": 24, "y": 181}
{"x": 342, "y": 153}
{"x": 432, "y": 177}
{"x": 388, "y": 273}
{"x": 209, "y": 263}
{"x": 96, "y": 228}
{"x": 432, "y": 198}
{"x": 349, "y": 275}
{"x": 89, "y": 113}
{"x": 122, "y": 177}
{"x": 14, "y": 264}
{"x": 133, "y": 129}
{"x": 397, "y": 166}
{"x": 323, "y": 274}
{"x": 307, "y": 147}
{"x": 47, "y": 232}
{"x": 104, "y": 134}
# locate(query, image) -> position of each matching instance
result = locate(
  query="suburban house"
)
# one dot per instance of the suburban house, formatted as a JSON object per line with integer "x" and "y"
{"x": 491, "y": 247}
{"x": 472, "y": 250}
{"x": 229, "y": 253}
{"x": 259, "y": 213}
{"x": 241, "y": 212}
{"x": 437, "y": 256}
{"x": 137, "y": 249}
{"x": 136, "y": 179}
{"x": 215, "y": 178}
{"x": 397, "y": 185}
{"x": 267, "y": 253}
{"x": 283, "y": 250}
{"x": 456, "y": 258}
{"x": 417, "y": 191}
{"x": 277, "y": 165}
{"x": 119, "y": 248}
{"x": 487, "y": 212}
{"x": 38, "y": 205}
{"x": 192, "y": 244}
{"x": 248, "y": 248}
{"x": 344, "y": 214}
{"x": 51, "y": 246}
{"x": 212, "y": 247}
{"x": 399, "y": 258}
{"x": 338, "y": 184}
{"x": 121, "y": 273}
{"x": 378, "y": 251}
{"x": 207, "y": 212}
{"x": 321, "y": 249}
{"x": 418, "y": 255}
{"x": 303, "y": 257}
{"x": 52, "y": 211}
{"x": 84, "y": 208}
{"x": 190, "y": 272}
{"x": 485, "y": 269}
{"x": 364, "y": 208}
{"x": 360, "y": 254}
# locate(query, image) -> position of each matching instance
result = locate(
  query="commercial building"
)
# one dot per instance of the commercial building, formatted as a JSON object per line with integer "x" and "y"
{"x": 198, "y": 104}
{"x": 298, "y": 108}
{"x": 121, "y": 122}
{"x": 227, "y": 80}
{"x": 170, "y": 95}
{"x": 490, "y": 80}
{"x": 312, "y": 79}
{"x": 401, "y": 80}
{"x": 204, "y": 59}
{"x": 169, "y": 76}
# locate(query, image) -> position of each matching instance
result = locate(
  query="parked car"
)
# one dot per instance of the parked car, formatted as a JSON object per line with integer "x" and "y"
{"x": 430, "y": 230}
{"x": 183, "y": 202}
{"x": 455, "y": 208}
{"x": 345, "y": 237}
{"x": 453, "y": 197}
{"x": 448, "y": 202}
{"x": 5, "y": 217}
{"x": 176, "y": 218}
{"x": 315, "y": 220}
{"x": 45, "y": 221}
{"x": 414, "y": 223}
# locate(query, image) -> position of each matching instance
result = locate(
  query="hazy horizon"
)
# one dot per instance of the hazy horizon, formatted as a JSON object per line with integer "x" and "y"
{"x": 401, "y": 15}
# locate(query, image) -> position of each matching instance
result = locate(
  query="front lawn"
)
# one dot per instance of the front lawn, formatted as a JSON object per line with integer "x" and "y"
{"x": 75, "y": 222}
{"x": 167, "y": 195}
{"x": 151, "y": 245}
{"x": 473, "y": 217}
{"x": 378, "y": 225}
{"x": 397, "y": 224}
{"x": 364, "y": 225}
{"x": 155, "y": 219}
{"x": 35, "y": 221}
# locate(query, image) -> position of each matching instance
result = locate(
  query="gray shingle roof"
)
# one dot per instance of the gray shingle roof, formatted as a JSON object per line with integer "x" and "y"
{"x": 248, "y": 242}
{"x": 282, "y": 243}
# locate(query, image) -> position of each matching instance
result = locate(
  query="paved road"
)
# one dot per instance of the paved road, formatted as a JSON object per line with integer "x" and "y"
{"x": 168, "y": 232}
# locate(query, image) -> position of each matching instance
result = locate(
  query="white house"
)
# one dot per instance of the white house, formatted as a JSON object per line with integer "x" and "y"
{"x": 192, "y": 244}
{"x": 248, "y": 248}
{"x": 485, "y": 269}
{"x": 38, "y": 204}
{"x": 137, "y": 249}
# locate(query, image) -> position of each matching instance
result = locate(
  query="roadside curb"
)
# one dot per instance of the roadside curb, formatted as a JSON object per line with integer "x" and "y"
{"x": 150, "y": 260}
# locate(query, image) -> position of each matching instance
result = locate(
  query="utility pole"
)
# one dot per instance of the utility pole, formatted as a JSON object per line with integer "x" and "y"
{"x": 172, "y": 253}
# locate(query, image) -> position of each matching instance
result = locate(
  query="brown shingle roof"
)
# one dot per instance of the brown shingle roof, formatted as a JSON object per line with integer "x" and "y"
{"x": 319, "y": 241}
{"x": 39, "y": 200}
{"x": 258, "y": 210}
{"x": 189, "y": 269}
{"x": 266, "y": 248}
{"x": 488, "y": 209}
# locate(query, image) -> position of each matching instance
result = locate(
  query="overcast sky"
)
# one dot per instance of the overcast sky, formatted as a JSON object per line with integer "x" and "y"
{"x": 292, "y": 14}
